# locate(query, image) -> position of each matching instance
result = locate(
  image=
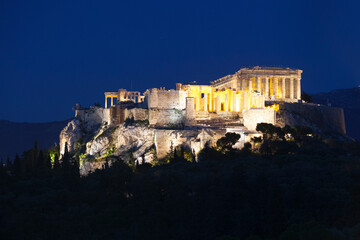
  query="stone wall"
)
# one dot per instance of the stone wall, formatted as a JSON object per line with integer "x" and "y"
{"x": 138, "y": 114}
{"x": 245, "y": 136}
{"x": 119, "y": 115}
{"x": 166, "y": 99}
{"x": 167, "y": 117}
{"x": 191, "y": 139}
{"x": 93, "y": 117}
{"x": 252, "y": 117}
{"x": 190, "y": 112}
{"x": 320, "y": 118}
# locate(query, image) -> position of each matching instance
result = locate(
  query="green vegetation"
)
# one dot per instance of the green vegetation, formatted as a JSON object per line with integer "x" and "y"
{"x": 109, "y": 152}
{"x": 130, "y": 121}
{"x": 293, "y": 184}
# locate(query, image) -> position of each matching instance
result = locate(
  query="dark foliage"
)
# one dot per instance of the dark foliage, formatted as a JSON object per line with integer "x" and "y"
{"x": 304, "y": 188}
{"x": 306, "y": 97}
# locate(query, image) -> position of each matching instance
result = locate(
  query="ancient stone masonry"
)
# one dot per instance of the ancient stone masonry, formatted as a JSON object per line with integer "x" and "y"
{"x": 193, "y": 115}
{"x": 233, "y": 96}
{"x": 123, "y": 95}
{"x": 274, "y": 83}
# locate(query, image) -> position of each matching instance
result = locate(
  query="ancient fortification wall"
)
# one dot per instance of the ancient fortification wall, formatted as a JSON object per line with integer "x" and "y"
{"x": 166, "y": 117}
{"x": 93, "y": 117}
{"x": 166, "y": 99}
{"x": 119, "y": 115}
{"x": 254, "y": 116}
{"x": 319, "y": 118}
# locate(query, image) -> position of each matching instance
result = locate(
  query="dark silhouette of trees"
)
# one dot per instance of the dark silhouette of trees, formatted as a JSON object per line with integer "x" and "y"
{"x": 309, "y": 192}
{"x": 306, "y": 97}
{"x": 226, "y": 143}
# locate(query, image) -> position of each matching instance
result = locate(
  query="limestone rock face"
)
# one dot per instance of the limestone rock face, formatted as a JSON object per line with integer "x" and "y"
{"x": 319, "y": 118}
{"x": 70, "y": 134}
{"x": 135, "y": 140}
{"x": 89, "y": 167}
{"x": 137, "y": 143}
{"x": 98, "y": 146}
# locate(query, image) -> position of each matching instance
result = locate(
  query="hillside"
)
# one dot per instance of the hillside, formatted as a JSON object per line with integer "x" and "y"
{"x": 18, "y": 137}
{"x": 349, "y": 100}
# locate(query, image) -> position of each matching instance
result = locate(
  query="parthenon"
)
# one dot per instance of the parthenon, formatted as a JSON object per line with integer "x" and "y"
{"x": 275, "y": 83}
{"x": 248, "y": 88}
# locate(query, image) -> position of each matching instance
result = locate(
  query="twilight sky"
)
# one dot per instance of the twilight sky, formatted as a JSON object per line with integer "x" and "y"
{"x": 56, "y": 53}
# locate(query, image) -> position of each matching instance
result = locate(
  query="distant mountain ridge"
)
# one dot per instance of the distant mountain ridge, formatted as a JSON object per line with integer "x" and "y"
{"x": 349, "y": 100}
{"x": 15, "y": 138}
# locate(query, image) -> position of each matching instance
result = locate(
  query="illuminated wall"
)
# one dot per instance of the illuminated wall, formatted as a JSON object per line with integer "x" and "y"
{"x": 209, "y": 99}
{"x": 274, "y": 83}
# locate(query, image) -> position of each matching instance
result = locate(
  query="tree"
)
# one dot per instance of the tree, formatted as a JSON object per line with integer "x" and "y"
{"x": 226, "y": 143}
{"x": 65, "y": 160}
{"x": 306, "y": 97}
{"x": 270, "y": 131}
{"x": 17, "y": 165}
{"x": 208, "y": 153}
{"x": 9, "y": 164}
{"x": 57, "y": 165}
{"x": 267, "y": 129}
{"x": 256, "y": 141}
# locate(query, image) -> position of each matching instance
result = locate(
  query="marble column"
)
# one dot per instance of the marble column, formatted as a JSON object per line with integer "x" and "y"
{"x": 205, "y": 102}
{"x": 267, "y": 87}
{"x": 259, "y": 84}
{"x": 291, "y": 88}
{"x": 243, "y": 86}
{"x": 218, "y": 104}
{"x": 233, "y": 101}
{"x": 112, "y": 101}
{"x": 226, "y": 107}
{"x": 283, "y": 94}
{"x": 298, "y": 89}
{"x": 275, "y": 87}
{"x": 198, "y": 102}
{"x": 250, "y": 84}
{"x": 106, "y": 102}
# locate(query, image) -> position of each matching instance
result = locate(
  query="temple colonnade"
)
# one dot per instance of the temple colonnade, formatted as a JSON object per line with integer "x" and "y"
{"x": 273, "y": 87}
{"x": 206, "y": 98}
{"x": 123, "y": 95}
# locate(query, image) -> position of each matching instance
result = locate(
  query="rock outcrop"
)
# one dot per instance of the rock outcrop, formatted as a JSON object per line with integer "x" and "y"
{"x": 318, "y": 117}
{"x": 97, "y": 142}
{"x": 70, "y": 135}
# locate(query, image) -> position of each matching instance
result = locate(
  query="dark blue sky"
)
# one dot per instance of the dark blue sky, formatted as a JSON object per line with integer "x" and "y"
{"x": 56, "y": 53}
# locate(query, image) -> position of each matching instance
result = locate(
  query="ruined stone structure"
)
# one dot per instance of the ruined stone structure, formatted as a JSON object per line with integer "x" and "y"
{"x": 193, "y": 115}
{"x": 233, "y": 96}
{"x": 122, "y": 96}
{"x": 274, "y": 83}
{"x": 210, "y": 99}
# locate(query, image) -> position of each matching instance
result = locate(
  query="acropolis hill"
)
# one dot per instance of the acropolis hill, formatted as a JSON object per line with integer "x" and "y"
{"x": 146, "y": 126}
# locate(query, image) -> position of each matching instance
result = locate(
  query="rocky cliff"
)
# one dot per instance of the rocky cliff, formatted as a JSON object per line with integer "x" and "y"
{"x": 321, "y": 119}
{"x": 349, "y": 100}
{"x": 97, "y": 145}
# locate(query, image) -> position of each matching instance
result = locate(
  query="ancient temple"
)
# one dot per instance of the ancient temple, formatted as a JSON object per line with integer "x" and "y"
{"x": 248, "y": 88}
{"x": 274, "y": 83}
{"x": 122, "y": 95}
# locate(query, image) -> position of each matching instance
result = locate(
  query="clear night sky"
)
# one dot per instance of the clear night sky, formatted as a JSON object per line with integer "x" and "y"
{"x": 56, "y": 53}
